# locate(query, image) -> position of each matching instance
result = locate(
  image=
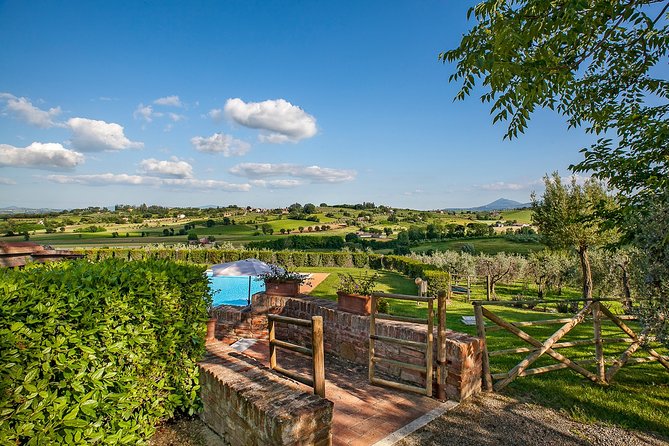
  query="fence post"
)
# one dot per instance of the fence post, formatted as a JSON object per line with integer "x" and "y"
{"x": 272, "y": 347}
{"x": 318, "y": 355}
{"x": 441, "y": 343}
{"x": 429, "y": 357}
{"x": 599, "y": 351}
{"x": 372, "y": 333}
{"x": 480, "y": 331}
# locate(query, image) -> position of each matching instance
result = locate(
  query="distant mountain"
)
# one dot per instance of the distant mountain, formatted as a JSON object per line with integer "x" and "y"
{"x": 19, "y": 210}
{"x": 502, "y": 204}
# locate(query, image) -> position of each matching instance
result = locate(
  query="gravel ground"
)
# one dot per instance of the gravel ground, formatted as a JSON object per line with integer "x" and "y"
{"x": 185, "y": 432}
{"x": 500, "y": 420}
{"x": 493, "y": 419}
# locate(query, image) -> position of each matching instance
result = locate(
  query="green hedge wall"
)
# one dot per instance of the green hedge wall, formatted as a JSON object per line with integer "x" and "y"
{"x": 437, "y": 279}
{"x": 99, "y": 352}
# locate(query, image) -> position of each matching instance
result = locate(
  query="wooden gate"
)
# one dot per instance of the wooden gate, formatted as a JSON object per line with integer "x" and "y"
{"x": 426, "y": 347}
{"x": 317, "y": 380}
{"x": 537, "y": 348}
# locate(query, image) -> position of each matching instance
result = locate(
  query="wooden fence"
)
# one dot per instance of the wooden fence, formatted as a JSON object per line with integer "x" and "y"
{"x": 317, "y": 353}
{"x": 426, "y": 347}
{"x": 598, "y": 311}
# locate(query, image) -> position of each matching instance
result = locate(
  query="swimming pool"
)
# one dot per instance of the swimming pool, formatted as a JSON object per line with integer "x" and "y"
{"x": 234, "y": 290}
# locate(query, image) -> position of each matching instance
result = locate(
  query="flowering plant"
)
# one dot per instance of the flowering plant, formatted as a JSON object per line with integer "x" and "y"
{"x": 279, "y": 274}
{"x": 363, "y": 285}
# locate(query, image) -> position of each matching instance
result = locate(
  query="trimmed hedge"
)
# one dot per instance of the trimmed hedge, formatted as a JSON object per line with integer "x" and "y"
{"x": 437, "y": 278}
{"x": 99, "y": 352}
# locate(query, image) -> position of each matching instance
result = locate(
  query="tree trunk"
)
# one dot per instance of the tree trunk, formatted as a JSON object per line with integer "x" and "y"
{"x": 587, "y": 273}
{"x": 627, "y": 304}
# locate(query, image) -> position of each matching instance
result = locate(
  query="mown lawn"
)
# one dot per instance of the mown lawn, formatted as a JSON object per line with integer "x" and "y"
{"x": 486, "y": 245}
{"x": 637, "y": 399}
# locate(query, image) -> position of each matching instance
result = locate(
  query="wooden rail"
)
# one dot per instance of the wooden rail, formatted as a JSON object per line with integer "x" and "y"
{"x": 426, "y": 347}
{"x": 598, "y": 313}
{"x": 317, "y": 353}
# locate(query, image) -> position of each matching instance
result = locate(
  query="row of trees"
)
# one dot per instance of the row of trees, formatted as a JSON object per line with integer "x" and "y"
{"x": 550, "y": 271}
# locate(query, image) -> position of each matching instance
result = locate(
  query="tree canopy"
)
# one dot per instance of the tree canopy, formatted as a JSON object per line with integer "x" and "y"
{"x": 593, "y": 61}
{"x": 566, "y": 219}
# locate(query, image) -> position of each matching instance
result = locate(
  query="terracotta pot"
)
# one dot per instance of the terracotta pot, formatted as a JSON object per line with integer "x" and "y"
{"x": 288, "y": 289}
{"x": 354, "y": 303}
{"x": 211, "y": 330}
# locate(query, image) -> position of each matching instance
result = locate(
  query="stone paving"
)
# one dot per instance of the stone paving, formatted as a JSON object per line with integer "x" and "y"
{"x": 363, "y": 414}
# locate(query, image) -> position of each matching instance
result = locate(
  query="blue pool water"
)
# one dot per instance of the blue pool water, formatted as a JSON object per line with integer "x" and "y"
{"x": 234, "y": 290}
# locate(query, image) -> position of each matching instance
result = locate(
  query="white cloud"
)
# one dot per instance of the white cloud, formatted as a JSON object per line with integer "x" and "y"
{"x": 277, "y": 184}
{"x": 207, "y": 184}
{"x": 172, "y": 101}
{"x": 24, "y": 110}
{"x": 7, "y": 181}
{"x": 501, "y": 186}
{"x": 40, "y": 156}
{"x": 278, "y": 120}
{"x": 106, "y": 179}
{"x": 145, "y": 113}
{"x": 220, "y": 143}
{"x": 89, "y": 135}
{"x": 315, "y": 174}
{"x": 216, "y": 114}
{"x": 173, "y": 168}
{"x": 175, "y": 117}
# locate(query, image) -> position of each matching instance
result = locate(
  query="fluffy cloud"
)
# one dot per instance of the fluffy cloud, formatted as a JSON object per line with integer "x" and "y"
{"x": 144, "y": 113}
{"x": 7, "y": 181}
{"x": 172, "y": 101}
{"x": 315, "y": 174}
{"x": 40, "y": 156}
{"x": 106, "y": 179}
{"x": 278, "y": 120}
{"x": 220, "y": 143}
{"x": 174, "y": 168}
{"x": 277, "y": 184}
{"x": 216, "y": 114}
{"x": 23, "y": 109}
{"x": 89, "y": 135}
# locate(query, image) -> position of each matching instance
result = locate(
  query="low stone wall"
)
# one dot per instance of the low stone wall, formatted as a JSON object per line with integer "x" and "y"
{"x": 346, "y": 335}
{"x": 247, "y": 404}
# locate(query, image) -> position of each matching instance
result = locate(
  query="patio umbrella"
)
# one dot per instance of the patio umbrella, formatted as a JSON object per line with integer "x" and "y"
{"x": 248, "y": 267}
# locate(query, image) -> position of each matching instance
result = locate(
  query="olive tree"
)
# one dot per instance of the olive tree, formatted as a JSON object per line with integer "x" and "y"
{"x": 566, "y": 218}
{"x": 501, "y": 266}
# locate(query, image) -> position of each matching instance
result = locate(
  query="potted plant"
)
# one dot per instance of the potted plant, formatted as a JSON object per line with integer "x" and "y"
{"x": 282, "y": 282}
{"x": 354, "y": 293}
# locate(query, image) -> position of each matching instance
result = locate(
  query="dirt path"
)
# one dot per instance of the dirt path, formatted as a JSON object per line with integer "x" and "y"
{"x": 498, "y": 420}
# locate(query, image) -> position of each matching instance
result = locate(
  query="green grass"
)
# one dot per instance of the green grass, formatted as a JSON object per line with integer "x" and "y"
{"x": 389, "y": 282}
{"x": 522, "y": 215}
{"x": 487, "y": 245}
{"x": 637, "y": 399}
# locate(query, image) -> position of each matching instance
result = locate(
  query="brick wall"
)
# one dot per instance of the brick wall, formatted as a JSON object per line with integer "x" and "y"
{"x": 247, "y": 404}
{"x": 347, "y": 335}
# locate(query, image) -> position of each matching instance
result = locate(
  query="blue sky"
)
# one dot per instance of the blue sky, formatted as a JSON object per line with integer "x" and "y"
{"x": 252, "y": 103}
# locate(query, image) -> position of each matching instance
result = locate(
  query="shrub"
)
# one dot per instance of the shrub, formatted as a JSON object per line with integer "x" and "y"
{"x": 314, "y": 259}
{"x": 98, "y": 353}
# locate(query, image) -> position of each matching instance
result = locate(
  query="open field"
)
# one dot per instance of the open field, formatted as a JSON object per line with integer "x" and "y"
{"x": 522, "y": 216}
{"x": 638, "y": 399}
{"x": 488, "y": 245}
